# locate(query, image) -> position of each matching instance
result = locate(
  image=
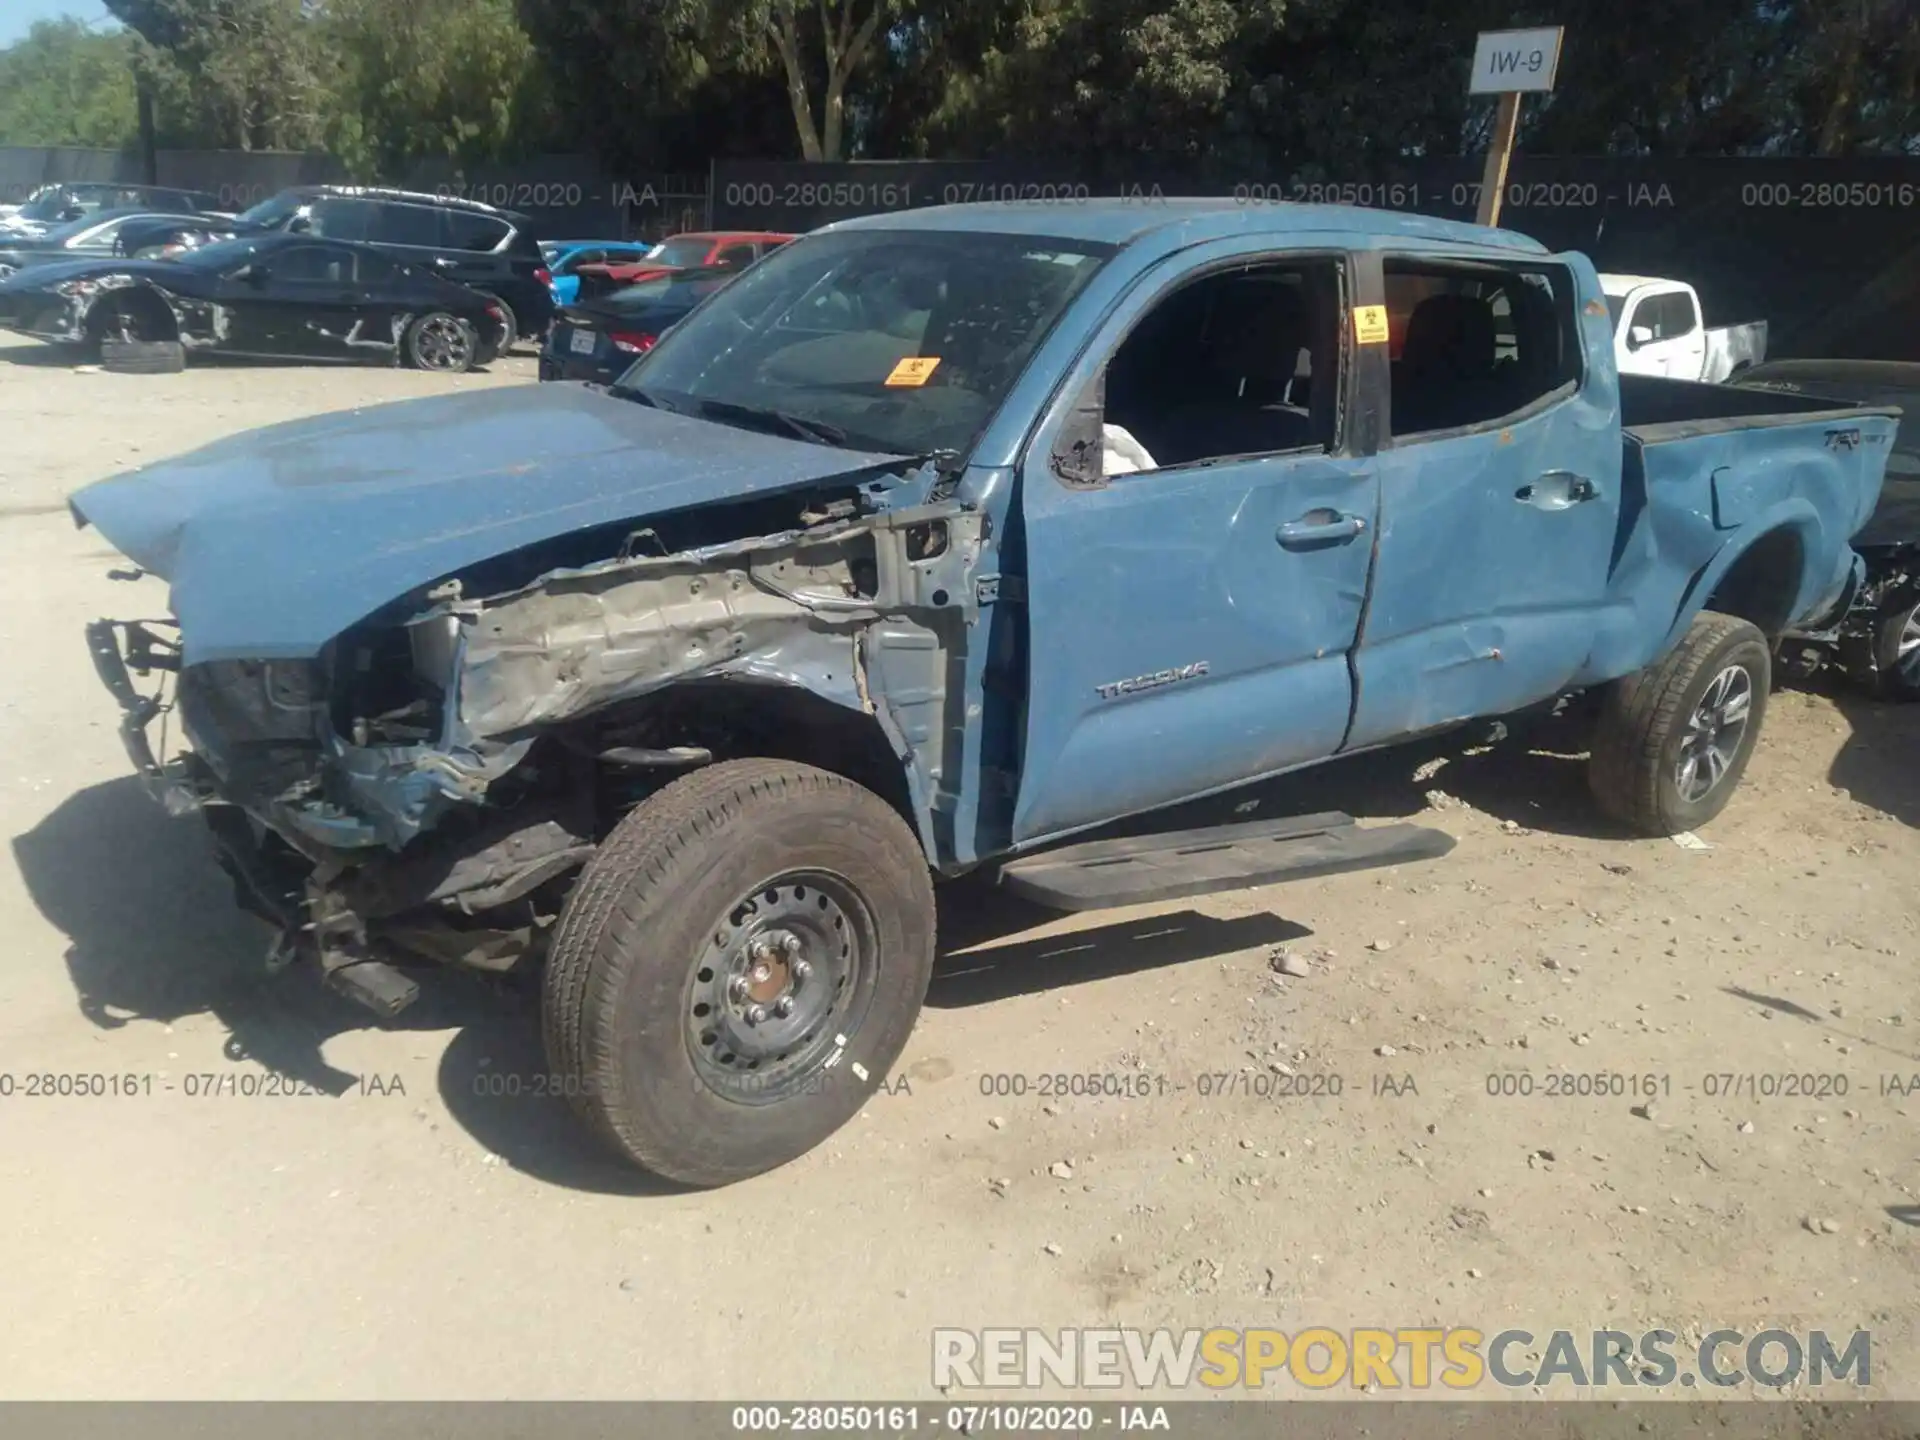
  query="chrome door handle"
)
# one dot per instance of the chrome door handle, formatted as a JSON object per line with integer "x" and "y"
{"x": 1319, "y": 527}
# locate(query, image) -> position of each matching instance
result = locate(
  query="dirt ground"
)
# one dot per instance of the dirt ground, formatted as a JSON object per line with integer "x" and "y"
{"x": 407, "y": 1231}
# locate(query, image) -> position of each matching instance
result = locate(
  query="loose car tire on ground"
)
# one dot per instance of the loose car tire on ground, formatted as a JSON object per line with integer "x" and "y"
{"x": 1701, "y": 703}
{"x": 442, "y": 341}
{"x": 751, "y": 886}
{"x": 143, "y": 357}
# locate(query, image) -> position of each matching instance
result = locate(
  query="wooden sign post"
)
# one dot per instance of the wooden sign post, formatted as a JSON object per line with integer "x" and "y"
{"x": 1509, "y": 63}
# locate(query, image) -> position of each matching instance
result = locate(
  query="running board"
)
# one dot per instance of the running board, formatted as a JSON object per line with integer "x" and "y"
{"x": 1149, "y": 868}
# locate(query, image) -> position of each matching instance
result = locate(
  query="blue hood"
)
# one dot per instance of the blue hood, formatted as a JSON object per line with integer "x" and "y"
{"x": 276, "y": 540}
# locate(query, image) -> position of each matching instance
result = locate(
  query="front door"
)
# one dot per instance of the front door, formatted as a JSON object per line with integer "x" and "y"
{"x": 1499, "y": 495}
{"x": 1193, "y": 597}
{"x": 310, "y": 301}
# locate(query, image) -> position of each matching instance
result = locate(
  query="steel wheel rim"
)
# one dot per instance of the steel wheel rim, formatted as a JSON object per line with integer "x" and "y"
{"x": 1714, "y": 734}
{"x": 1906, "y": 655}
{"x": 442, "y": 344}
{"x": 805, "y": 944}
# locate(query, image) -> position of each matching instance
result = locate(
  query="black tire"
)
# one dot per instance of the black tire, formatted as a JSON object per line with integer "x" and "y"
{"x": 658, "y": 927}
{"x": 143, "y": 357}
{"x": 431, "y": 344}
{"x": 1645, "y": 731}
{"x": 510, "y": 336}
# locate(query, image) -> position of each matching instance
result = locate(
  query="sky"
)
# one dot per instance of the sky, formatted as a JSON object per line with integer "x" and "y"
{"x": 17, "y": 16}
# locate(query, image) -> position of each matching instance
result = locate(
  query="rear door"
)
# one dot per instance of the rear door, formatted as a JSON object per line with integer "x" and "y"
{"x": 1499, "y": 493}
{"x": 1190, "y": 618}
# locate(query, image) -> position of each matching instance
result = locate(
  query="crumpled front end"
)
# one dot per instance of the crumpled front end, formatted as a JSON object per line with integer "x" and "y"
{"x": 428, "y": 785}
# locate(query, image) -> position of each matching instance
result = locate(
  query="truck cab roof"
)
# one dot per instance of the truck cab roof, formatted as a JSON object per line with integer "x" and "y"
{"x": 1172, "y": 223}
{"x": 1626, "y": 284}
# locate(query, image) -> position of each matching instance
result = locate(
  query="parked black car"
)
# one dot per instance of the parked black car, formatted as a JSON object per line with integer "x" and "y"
{"x": 493, "y": 251}
{"x": 64, "y": 202}
{"x": 277, "y": 295}
{"x": 1878, "y": 641}
{"x": 598, "y": 339}
{"x": 97, "y": 234}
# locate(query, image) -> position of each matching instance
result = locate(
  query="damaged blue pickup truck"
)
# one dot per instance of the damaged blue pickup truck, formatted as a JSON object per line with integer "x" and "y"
{"x": 935, "y": 542}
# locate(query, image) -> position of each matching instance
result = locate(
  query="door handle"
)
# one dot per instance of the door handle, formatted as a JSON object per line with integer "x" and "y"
{"x": 1557, "y": 490}
{"x": 1319, "y": 527}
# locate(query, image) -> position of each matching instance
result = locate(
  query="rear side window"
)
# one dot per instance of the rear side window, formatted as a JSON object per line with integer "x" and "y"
{"x": 342, "y": 219}
{"x": 407, "y": 225}
{"x": 735, "y": 256}
{"x": 473, "y": 232}
{"x": 1476, "y": 345}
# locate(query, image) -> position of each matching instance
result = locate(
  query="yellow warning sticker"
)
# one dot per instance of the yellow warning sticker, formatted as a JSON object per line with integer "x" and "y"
{"x": 1370, "y": 324}
{"x": 914, "y": 370}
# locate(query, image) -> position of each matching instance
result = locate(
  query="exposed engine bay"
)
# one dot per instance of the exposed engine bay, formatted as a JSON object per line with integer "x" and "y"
{"x": 428, "y": 787}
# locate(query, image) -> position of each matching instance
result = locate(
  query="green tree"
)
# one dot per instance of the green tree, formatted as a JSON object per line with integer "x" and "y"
{"x": 64, "y": 84}
{"x": 232, "y": 74}
{"x": 457, "y": 79}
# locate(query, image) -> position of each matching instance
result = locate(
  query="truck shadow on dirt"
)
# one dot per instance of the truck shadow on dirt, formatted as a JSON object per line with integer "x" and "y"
{"x": 153, "y": 935}
{"x": 1879, "y": 765}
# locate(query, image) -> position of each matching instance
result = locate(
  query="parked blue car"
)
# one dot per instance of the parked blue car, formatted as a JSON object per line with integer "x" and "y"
{"x": 936, "y": 543}
{"x": 564, "y": 256}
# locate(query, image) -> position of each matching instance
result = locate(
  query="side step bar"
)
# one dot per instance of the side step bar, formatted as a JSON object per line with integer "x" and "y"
{"x": 1149, "y": 868}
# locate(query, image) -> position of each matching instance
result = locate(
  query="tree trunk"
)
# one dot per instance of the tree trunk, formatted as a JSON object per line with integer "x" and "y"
{"x": 149, "y": 144}
{"x": 1836, "y": 127}
{"x": 786, "y": 41}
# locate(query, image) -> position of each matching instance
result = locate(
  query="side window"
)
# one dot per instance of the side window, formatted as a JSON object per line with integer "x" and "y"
{"x": 341, "y": 219}
{"x": 1472, "y": 345}
{"x": 734, "y": 256}
{"x": 313, "y": 264}
{"x": 467, "y": 232}
{"x": 370, "y": 267}
{"x": 1244, "y": 362}
{"x": 1677, "y": 319}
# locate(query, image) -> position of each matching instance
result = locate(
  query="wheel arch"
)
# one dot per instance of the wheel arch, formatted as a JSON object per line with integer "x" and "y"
{"x": 786, "y": 719}
{"x": 1762, "y": 575}
{"x": 135, "y": 298}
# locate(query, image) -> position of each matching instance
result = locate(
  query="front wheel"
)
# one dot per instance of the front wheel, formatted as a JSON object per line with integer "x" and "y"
{"x": 738, "y": 968}
{"x": 1673, "y": 741}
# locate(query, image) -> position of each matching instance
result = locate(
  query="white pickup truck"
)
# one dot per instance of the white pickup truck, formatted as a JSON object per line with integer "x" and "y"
{"x": 1658, "y": 330}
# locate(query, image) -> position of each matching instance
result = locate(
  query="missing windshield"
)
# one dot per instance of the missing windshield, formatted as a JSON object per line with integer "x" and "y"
{"x": 899, "y": 342}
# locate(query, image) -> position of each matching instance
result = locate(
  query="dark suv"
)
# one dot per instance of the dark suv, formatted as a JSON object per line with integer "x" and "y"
{"x": 492, "y": 251}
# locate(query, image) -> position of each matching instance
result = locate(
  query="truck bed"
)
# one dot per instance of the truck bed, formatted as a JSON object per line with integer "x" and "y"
{"x": 1699, "y": 462}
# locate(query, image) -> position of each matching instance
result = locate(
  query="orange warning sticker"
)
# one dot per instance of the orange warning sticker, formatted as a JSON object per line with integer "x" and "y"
{"x": 914, "y": 370}
{"x": 1370, "y": 324}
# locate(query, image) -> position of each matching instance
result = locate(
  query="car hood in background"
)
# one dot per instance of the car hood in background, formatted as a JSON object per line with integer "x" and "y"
{"x": 276, "y": 540}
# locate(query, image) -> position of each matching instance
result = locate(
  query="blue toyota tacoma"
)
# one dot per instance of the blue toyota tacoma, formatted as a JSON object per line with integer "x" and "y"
{"x": 933, "y": 543}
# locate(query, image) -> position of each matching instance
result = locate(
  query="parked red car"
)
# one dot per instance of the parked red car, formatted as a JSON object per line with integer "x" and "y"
{"x": 694, "y": 249}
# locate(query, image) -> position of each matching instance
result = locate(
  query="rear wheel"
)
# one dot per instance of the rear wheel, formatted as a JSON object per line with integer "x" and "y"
{"x": 442, "y": 341}
{"x": 738, "y": 968}
{"x": 1673, "y": 741}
